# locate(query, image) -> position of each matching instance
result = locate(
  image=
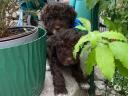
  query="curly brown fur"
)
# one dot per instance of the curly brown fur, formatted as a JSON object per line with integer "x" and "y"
{"x": 57, "y": 16}
{"x": 60, "y": 47}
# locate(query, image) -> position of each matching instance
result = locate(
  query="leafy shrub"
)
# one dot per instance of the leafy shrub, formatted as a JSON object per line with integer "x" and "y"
{"x": 107, "y": 50}
{"x": 114, "y": 13}
{"x": 7, "y": 8}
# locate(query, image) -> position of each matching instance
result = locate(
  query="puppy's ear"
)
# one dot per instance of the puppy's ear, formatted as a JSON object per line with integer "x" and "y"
{"x": 71, "y": 14}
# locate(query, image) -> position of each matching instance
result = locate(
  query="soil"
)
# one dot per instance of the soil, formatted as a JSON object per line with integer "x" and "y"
{"x": 13, "y": 31}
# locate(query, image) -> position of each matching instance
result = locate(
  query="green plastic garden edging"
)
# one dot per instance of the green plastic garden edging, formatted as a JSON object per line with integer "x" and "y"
{"x": 22, "y": 68}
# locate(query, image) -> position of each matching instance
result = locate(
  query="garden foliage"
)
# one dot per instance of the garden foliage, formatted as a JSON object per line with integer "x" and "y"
{"x": 104, "y": 50}
{"x": 114, "y": 13}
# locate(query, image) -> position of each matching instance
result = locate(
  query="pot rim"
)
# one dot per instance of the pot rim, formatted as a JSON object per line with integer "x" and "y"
{"x": 20, "y": 35}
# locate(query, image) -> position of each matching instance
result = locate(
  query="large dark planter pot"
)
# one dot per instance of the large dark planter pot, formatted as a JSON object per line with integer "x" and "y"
{"x": 22, "y": 68}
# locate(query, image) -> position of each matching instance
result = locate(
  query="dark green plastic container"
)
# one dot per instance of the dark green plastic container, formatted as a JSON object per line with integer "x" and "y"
{"x": 22, "y": 68}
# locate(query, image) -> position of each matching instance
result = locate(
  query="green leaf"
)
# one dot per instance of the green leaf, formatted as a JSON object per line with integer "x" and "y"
{"x": 80, "y": 27}
{"x": 123, "y": 71}
{"x": 86, "y": 23}
{"x": 105, "y": 61}
{"x": 94, "y": 38}
{"x": 83, "y": 57}
{"x": 109, "y": 24}
{"x": 80, "y": 44}
{"x": 91, "y": 3}
{"x": 120, "y": 51}
{"x": 113, "y": 35}
{"x": 103, "y": 5}
{"x": 90, "y": 62}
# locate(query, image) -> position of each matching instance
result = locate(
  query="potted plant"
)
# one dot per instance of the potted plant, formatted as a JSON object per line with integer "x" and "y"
{"x": 31, "y": 9}
{"x": 23, "y": 56}
{"x": 10, "y": 35}
{"x": 115, "y": 17}
{"x": 106, "y": 49}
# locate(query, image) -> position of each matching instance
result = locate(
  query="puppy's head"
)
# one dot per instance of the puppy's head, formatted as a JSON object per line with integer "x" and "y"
{"x": 57, "y": 17}
{"x": 57, "y": 25}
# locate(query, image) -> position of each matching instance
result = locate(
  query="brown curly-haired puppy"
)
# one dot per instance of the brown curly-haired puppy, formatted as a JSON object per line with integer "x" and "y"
{"x": 60, "y": 47}
{"x": 57, "y": 16}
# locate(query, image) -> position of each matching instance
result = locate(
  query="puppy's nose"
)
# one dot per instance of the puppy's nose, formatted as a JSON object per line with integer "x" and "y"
{"x": 69, "y": 60}
{"x": 57, "y": 27}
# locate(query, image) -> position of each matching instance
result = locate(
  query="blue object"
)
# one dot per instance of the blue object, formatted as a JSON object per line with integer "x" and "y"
{"x": 29, "y": 5}
{"x": 78, "y": 25}
{"x": 72, "y": 3}
{"x": 20, "y": 21}
{"x": 80, "y": 7}
{"x": 32, "y": 4}
{"x": 77, "y": 22}
{"x": 82, "y": 10}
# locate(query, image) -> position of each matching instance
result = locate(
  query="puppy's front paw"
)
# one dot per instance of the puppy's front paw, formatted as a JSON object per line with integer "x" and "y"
{"x": 85, "y": 86}
{"x": 62, "y": 95}
{"x": 60, "y": 91}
